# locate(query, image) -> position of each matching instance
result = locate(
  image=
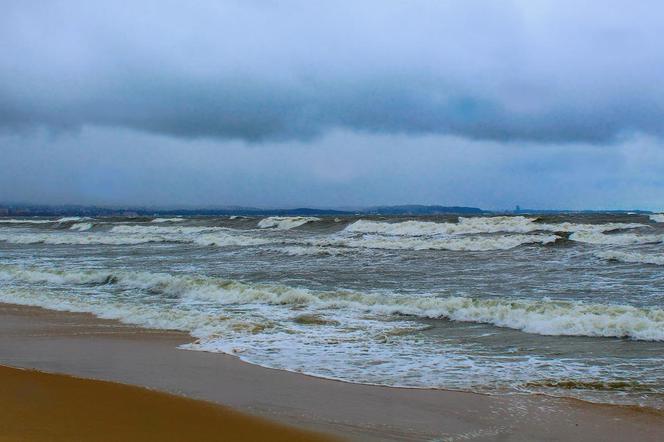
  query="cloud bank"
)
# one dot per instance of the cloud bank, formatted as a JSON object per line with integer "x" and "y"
{"x": 264, "y": 71}
{"x": 111, "y": 166}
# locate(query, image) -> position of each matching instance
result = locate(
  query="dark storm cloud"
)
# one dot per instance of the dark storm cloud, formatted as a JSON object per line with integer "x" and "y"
{"x": 536, "y": 71}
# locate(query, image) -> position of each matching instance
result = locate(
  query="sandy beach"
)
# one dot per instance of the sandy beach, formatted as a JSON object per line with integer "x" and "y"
{"x": 85, "y": 346}
{"x": 40, "y": 406}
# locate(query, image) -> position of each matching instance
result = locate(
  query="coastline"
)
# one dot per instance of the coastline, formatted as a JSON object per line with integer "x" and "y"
{"x": 83, "y": 345}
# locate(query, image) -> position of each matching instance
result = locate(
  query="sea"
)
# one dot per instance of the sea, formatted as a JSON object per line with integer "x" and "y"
{"x": 563, "y": 305}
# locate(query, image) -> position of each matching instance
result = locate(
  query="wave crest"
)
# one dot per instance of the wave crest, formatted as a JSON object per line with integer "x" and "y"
{"x": 285, "y": 222}
{"x": 631, "y": 257}
{"x": 545, "y": 316}
{"x": 452, "y": 243}
{"x": 167, "y": 220}
{"x": 657, "y": 217}
{"x": 479, "y": 225}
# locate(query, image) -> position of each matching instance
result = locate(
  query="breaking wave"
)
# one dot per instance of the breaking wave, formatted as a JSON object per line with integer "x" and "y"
{"x": 619, "y": 239}
{"x": 478, "y": 225}
{"x": 68, "y": 219}
{"x": 468, "y": 234}
{"x": 516, "y": 224}
{"x": 452, "y": 243}
{"x": 631, "y": 257}
{"x": 76, "y": 239}
{"x": 544, "y": 316}
{"x": 25, "y": 221}
{"x": 167, "y": 220}
{"x": 223, "y": 237}
{"x": 285, "y": 222}
{"x": 218, "y": 238}
{"x": 164, "y": 230}
{"x": 657, "y": 217}
{"x": 81, "y": 226}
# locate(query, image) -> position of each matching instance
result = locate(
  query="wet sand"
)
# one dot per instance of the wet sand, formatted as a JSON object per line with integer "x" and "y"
{"x": 41, "y": 407}
{"x": 85, "y": 346}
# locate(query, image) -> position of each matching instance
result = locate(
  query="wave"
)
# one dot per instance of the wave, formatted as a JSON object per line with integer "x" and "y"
{"x": 311, "y": 250}
{"x": 219, "y": 239}
{"x": 543, "y": 316}
{"x": 75, "y": 239}
{"x": 460, "y": 243}
{"x": 516, "y": 224}
{"x": 164, "y": 230}
{"x": 285, "y": 222}
{"x": 469, "y": 234}
{"x": 224, "y": 237}
{"x": 167, "y": 220}
{"x": 25, "y": 221}
{"x": 631, "y": 257}
{"x": 68, "y": 219}
{"x": 618, "y": 239}
{"x": 65, "y": 219}
{"x": 200, "y": 235}
{"x": 657, "y": 217}
{"x": 478, "y": 225}
{"x": 81, "y": 226}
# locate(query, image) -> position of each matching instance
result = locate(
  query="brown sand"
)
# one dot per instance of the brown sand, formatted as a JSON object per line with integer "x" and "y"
{"x": 37, "y": 406}
{"x": 82, "y": 345}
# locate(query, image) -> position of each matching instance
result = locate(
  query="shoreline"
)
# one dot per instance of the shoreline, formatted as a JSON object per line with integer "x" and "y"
{"x": 82, "y": 345}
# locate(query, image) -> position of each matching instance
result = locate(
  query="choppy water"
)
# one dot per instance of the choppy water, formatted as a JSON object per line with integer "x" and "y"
{"x": 567, "y": 305}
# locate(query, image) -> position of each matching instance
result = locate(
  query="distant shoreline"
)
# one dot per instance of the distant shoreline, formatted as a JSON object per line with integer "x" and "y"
{"x": 22, "y": 210}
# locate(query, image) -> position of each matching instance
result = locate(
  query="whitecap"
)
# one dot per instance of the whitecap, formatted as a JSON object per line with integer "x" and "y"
{"x": 285, "y": 222}
{"x": 631, "y": 257}
{"x": 544, "y": 316}
{"x": 657, "y": 217}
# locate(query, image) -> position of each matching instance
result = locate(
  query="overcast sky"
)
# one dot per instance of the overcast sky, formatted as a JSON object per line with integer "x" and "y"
{"x": 285, "y": 103}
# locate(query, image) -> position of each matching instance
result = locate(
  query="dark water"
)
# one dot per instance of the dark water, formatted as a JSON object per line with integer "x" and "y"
{"x": 568, "y": 305}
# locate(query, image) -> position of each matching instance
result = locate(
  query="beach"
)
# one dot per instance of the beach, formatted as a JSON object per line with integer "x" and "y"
{"x": 39, "y": 407}
{"x": 366, "y": 221}
{"x": 84, "y": 346}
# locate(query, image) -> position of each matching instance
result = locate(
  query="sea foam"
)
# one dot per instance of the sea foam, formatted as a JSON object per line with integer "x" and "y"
{"x": 479, "y": 225}
{"x": 631, "y": 257}
{"x": 285, "y": 222}
{"x": 544, "y": 316}
{"x": 167, "y": 220}
{"x": 658, "y": 217}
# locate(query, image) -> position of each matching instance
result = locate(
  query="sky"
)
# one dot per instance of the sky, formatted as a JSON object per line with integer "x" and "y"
{"x": 545, "y": 104}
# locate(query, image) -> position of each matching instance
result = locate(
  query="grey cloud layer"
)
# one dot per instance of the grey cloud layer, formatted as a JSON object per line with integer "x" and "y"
{"x": 124, "y": 167}
{"x": 537, "y": 71}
